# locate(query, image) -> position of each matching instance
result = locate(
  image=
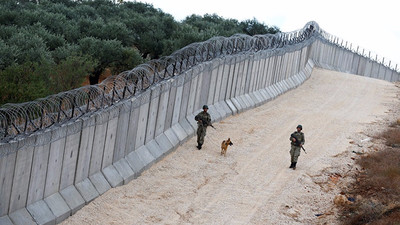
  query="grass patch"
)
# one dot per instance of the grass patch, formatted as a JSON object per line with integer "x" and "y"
{"x": 377, "y": 186}
{"x": 392, "y": 136}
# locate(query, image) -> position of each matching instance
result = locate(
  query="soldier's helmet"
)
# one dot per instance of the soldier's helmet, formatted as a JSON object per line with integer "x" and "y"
{"x": 300, "y": 126}
{"x": 205, "y": 106}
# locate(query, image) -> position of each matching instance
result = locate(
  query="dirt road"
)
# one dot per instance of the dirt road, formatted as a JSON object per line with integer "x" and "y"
{"x": 253, "y": 184}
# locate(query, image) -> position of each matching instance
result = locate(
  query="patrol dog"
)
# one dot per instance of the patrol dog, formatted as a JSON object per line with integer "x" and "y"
{"x": 224, "y": 146}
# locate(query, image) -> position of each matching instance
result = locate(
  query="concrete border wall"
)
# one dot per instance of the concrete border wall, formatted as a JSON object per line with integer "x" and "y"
{"x": 79, "y": 161}
{"x": 333, "y": 57}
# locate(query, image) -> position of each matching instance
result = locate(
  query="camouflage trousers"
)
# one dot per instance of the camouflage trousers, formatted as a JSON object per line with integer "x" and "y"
{"x": 201, "y": 133}
{"x": 294, "y": 153}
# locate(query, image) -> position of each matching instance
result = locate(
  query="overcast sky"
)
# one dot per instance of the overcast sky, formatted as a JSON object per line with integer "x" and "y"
{"x": 372, "y": 25}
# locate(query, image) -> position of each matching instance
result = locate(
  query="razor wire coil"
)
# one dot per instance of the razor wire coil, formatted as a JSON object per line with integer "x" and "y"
{"x": 29, "y": 117}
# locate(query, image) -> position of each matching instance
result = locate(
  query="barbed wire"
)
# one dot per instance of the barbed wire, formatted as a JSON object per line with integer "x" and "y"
{"x": 29, "y": 117}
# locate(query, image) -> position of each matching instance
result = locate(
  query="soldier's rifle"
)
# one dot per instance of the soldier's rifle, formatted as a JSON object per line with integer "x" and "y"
{"x": 206, "y": 123}
{"x": 298, "y": 142}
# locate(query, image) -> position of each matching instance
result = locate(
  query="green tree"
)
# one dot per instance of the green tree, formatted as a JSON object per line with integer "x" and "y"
{"x": 70, "y": 73}
{"x": 64, "y": 51}
{"x": 214, "y": 23}
{"x": 253, "y": 27}
{"x": 45, "y": 37}
{"x": 51, "y": 40}
{"x": 130, "y": 59}
{"x": 186, "y": 35}
{"x": 8, "y": 54}
{"x": 151, "y": 30}
{"x": 25, "y": 82}
{"x": 107, "y": 53}
{"x": 31, "y": 48}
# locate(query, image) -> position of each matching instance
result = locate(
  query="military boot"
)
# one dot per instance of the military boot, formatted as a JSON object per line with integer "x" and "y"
{"x": 291, "y": 165}
{"x": 199, "y": 146}
{"x": 294, "y": 165}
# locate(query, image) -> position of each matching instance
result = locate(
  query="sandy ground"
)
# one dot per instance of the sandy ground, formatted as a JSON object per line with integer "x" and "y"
{"x": 253, "y": 184}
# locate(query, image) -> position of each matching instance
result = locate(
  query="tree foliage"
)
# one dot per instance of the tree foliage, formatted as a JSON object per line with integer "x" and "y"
{"x": 47, "y": 46}
{"x": 70, "y": 72}
{"x": 24, "y": 82}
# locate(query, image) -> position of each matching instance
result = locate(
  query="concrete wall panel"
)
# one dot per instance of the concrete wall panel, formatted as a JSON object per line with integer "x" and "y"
{"x": 381, "y": 72}
{"x": 111, "y": 134}
{"x": 198, "y": 90}
{"x": 231, "y": 75}
{"x": 98, "y": 142}
{"x": 236, "y": 79}
{"x": 143, "y": 116}
{"x": 297, "y": 58}
{"x": 361, "y": 66}
{"x": 22, "y": 217}
{"x": 389, "y": 75}
{"x": 303, "y": 60}
{"x": 349, "y": 63}
{"x": 220, "y": 74}
{"x": 224, "y": 80}
{"x": 355, "y": 63}
{"x": 22, "y": 174}
{"x": 275, "y": 70}
{"x": 39, "y": 171}
{"x": 170, "y": 106}
{"x": 215, "y": 64}
{"x": 192, "y": 94}
{"x": 245, "y": 76}
{"x": 112, "y": 176}
{"x": 261, "y": 75}
{"x": 345, "y": 61}
{"x": 56, "y": 156}
{"x": 85, "y": 148}
{"x": 162, "y": 108}
{"x": 205, "y": 85}
{"x": 268, "y": 72}
{"x": 153, "y": 109}
{"x": 100, "y": 183}
{"x": 285, "y": 65}
{"x": 70, "y": 154}
{"x": 293, "y": 62}
{"x": 178, "y": 99}
{"x": 124, "y": 170}
{"x": 257, "y": 74}
{"x": 375, "y": 70}
{"x": 135, "y": 163}
{"x": 239, "y": 79}
{"x": 41, "y": 213}
{"x": 121, "y": 137}
{"x": 280, "y": 68}
{"x": 263, "y": 70}
{"x": 252, "y": 74}
{"x": 133, "y": 126}
{"x": 73, "y": 199}
{"x": 185, "y": 92}
{"x": 58, "y": 206}
{"x": 7, "y": 165}
{"x": 271, "y": 71}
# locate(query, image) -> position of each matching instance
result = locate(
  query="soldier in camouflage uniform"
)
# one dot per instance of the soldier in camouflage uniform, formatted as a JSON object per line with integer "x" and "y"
{"x": 203, "y": 120}
{"x": 297, "y": 141}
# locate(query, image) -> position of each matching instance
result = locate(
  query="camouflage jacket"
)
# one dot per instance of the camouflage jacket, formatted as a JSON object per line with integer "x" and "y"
{"x": 203, "y": 119}
{"x": 300, "y": 138}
